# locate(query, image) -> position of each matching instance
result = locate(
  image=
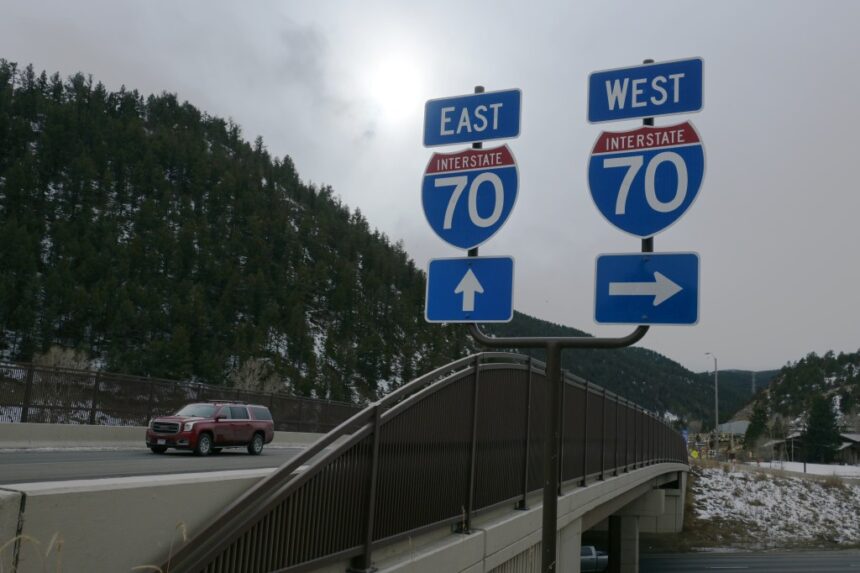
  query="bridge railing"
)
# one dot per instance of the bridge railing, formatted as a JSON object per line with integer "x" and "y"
{"x": 456, "y": 442}
{"x": 31, "y": 393}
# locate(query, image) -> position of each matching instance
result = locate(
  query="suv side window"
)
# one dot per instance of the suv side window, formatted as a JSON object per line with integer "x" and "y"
{"x": 238, "y": 413}
{"x": 260, "y": 413}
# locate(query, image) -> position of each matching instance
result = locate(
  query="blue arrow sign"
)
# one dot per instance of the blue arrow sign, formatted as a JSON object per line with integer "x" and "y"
{"x": 647, "y": 288}
{"x": 645, "y": 91}
{"x": 471, "y": 289}
{"x": 468, "y": 196}
{"x": 643, "y": 180}
{"x": 474, "y": 117}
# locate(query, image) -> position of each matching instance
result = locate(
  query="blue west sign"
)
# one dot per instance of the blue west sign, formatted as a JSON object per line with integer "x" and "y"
{"x": 474, "y": 117}
{"x": 645, "y": 91}
{"x": 468, "y": 196}
{"x": 647, "y": 288}
{"x": 471, "y": 289}
{"x": 643, "y": 180}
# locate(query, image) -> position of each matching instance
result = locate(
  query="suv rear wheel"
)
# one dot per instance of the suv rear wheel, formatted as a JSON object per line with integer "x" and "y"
{"x": 204, "y": 445}
{"x": 256, "y": 445}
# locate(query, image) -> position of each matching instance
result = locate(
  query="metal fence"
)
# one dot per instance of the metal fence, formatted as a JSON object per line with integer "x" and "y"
{"x": 458, "y": 441}
{"x": 61, "y": 396}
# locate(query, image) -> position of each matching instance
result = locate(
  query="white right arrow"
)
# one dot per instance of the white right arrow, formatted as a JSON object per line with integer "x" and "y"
{"x": 469, "y": 285}
{"x": 661, "y": 289}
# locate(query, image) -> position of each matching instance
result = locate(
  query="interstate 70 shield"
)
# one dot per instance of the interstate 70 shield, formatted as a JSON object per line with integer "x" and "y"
{"x": 468, "y": 196}
{"x": 643, "y": 180}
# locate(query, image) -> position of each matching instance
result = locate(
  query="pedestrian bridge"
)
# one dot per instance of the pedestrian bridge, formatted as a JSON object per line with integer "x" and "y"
{"x": 445, "y": 474}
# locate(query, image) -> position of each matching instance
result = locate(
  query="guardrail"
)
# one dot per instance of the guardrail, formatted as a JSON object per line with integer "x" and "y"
{"x": 31, "y": 393}
{"x": 460, "y": 440}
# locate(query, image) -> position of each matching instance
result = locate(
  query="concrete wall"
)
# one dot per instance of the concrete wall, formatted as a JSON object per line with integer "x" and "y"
{"x": 672, "y": 519}
{"x": 31, "y": 435}
{"x": 10, "y": 504}
{"x": 112, "y": 525}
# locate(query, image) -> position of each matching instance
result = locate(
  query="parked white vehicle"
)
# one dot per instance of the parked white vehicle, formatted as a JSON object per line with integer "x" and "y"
{"x": 591, "y": 560}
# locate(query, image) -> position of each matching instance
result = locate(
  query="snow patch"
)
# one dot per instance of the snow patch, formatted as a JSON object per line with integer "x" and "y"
{"x": 780, "y": 510}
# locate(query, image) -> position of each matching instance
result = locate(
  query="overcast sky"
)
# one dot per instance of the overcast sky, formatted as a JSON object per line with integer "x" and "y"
{"x": 340, "y": 87}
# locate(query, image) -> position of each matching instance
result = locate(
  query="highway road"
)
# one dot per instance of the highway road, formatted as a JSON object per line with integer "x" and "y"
{"x": 775, "y": 562}
{"x": 21, "y": 466}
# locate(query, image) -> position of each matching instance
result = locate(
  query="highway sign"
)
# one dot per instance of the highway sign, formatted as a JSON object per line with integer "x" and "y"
{"x": 645, "y": 91}
{"x": 473, "y": 117}
{"x": 468, "y": 196}
{"x": 647, "y": 288}
{"x": 643, "y": 180}
{"x": 470, "y": 289}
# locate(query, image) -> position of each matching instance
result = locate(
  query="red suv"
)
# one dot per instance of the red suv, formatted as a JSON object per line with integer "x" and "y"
{"x": 208, "y": 427}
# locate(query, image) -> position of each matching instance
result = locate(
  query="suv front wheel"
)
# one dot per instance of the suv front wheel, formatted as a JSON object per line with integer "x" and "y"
{"x": 204, "y": 445}
{"x": 256, "y": 445}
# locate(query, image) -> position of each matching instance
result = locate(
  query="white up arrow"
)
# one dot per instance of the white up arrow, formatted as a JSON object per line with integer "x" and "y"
{"x": 661, "y": 289}
{"x": 469, "y": 285}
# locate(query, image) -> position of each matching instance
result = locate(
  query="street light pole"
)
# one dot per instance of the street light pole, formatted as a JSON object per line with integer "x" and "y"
{"x": 716, "y": 403}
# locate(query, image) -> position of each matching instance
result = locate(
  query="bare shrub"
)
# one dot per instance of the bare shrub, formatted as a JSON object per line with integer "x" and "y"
{"x": 59, "y": 357}
{"x": 833, "y": 482}
{"x": 256, "y": 375}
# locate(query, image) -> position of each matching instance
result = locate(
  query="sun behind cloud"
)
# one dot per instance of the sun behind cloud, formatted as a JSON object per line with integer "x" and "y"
{"x": 396, "y": 87}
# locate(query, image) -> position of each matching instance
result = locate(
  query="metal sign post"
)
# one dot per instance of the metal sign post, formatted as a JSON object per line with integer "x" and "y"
{"x": 658, "y": 200}
{"x": 552, "y": 444}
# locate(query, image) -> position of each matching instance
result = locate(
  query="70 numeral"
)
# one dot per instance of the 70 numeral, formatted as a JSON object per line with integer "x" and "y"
{"x": 459, "y": 183}
{"x": 634, "y": 163}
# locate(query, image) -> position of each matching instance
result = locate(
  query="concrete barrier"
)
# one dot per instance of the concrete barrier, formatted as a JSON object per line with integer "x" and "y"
{"x": 112, "y": 525}
{"x": 10, "y": 506}
{"x": 31, "y": 435}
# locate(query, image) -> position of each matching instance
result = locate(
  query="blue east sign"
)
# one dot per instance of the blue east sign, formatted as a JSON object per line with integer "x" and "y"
{"x": 645, "y": 91}
{"x": 647, "y": 288}
{"x": 475, "y": 117}
{"x": 470, "y": 289}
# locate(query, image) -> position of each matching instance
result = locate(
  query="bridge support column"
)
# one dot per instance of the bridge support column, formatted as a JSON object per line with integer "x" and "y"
{"x": 569, "y": 544}
{"x": 623, "y": 544}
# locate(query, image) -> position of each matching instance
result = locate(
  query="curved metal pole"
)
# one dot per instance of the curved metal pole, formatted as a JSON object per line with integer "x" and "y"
{"x": 561, "y": 341}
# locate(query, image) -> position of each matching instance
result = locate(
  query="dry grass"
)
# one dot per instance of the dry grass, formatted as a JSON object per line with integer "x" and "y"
{"x": 55, "y": 546}
{"x": 55, "y": 549}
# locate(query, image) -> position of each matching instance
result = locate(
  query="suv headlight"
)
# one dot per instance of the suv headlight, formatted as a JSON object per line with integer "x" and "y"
{"x": 151, "y": 423}
{"x": 187, "y": 426}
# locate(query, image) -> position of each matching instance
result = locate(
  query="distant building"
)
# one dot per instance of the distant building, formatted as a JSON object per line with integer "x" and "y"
{"x": 849, "y": 449}
{"x": 735, "y": 427}
{"x": 792, "y": 448}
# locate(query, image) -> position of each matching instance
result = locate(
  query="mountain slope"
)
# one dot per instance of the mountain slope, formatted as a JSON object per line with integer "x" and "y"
{"x": 158, "y": 241}
{"x": 831, "y": 375}
{"x": 155, "y": 240}
{"x": 642, "y": 375}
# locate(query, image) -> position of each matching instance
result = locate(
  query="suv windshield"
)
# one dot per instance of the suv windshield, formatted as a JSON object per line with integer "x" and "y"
{"x": 199, "y": 410}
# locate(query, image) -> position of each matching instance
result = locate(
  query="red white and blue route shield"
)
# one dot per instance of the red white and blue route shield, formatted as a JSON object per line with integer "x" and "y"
{"x": 643, "y": 180}
{"x": 468, "y": 196}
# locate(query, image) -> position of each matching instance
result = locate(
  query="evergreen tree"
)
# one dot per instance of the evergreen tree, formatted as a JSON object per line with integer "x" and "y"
{"x": 821, "y": 437}
{"x": 757, "y": 427}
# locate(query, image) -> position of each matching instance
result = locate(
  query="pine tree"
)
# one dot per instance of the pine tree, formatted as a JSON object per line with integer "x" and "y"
{"x": 821, "y": 437}
{"x": 757, "y": 427}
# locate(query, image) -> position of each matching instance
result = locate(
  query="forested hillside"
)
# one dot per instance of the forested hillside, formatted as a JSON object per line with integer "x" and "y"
{"x": 155, "y": 240}
{"x": 831, "y": 375}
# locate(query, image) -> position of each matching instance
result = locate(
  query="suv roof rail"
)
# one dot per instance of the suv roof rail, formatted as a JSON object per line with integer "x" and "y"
{"x": 226, "y": 402}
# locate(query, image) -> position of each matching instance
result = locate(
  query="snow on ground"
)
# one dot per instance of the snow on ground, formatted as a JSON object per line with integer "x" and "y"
{"x": 815, "y": 469}
{"x": 777, "y": 510}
